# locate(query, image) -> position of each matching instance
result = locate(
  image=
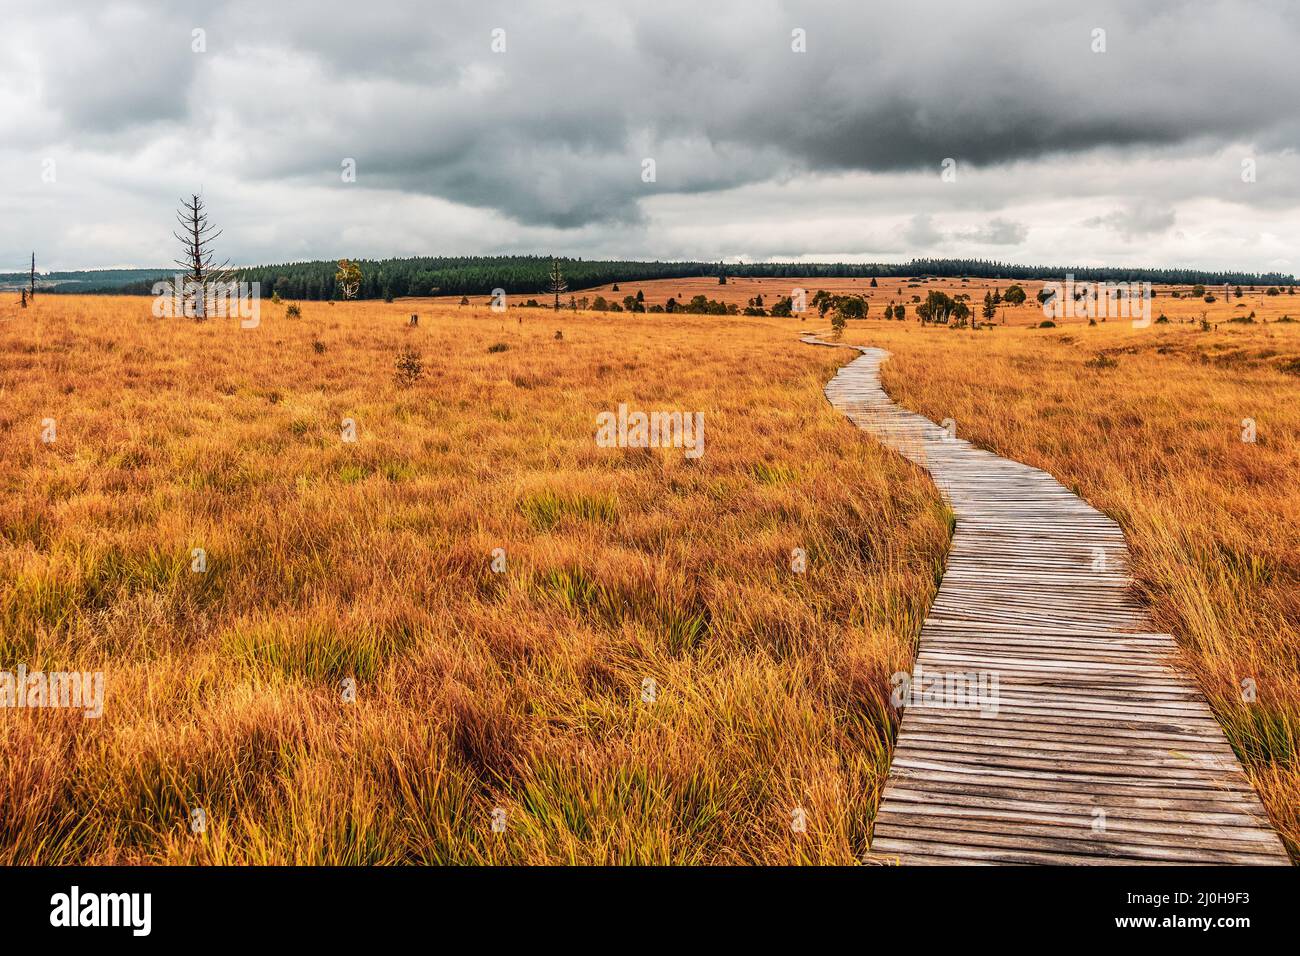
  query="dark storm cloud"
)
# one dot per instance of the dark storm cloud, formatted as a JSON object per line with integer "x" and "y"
{"x": 555, "y": 129}
{"x": 997, "y": 82}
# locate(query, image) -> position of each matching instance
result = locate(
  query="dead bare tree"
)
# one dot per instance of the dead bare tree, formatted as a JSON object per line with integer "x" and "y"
{"x": 556, "y": 283}
{"x": 31, "y": 281}
{"x": 196, "y": 238}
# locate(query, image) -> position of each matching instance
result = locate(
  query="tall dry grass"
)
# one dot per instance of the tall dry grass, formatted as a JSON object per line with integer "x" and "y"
{"x": 1152, "y": 435}
{"x": 330, "y": 561}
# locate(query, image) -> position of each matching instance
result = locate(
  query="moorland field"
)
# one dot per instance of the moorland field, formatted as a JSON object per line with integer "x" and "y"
{"x": 649, "y": 678}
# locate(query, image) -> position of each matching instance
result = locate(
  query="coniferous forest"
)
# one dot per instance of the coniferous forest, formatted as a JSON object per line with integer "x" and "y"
{"x": 479, "y": 275}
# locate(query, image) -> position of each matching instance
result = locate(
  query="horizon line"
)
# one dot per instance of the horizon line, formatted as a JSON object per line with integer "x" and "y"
{"x": 1046, "y": 270}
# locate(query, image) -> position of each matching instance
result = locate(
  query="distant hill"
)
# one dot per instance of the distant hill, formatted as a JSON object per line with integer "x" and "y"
{"x": 92, "y": 280}
{"x": 479, "y": 275}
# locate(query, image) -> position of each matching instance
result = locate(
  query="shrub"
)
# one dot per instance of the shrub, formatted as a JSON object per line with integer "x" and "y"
{"x": 939, "y": 307}
{"x": 1047, "y": 324}
{"x": 409, "y": 367}
{"x": 293, "y": 311}
{"x": 851, "y": 306}
{"x": 498, "y": 347}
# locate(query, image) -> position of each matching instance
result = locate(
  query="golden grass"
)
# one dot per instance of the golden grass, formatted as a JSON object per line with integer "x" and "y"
{"x": 523, "y": 691}
{"x": 330, "y": 561}
{"x": 1153, "y": 437}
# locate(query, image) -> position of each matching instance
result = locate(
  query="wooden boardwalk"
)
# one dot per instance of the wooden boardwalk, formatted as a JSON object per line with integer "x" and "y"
{"x": 1063, "y": 734}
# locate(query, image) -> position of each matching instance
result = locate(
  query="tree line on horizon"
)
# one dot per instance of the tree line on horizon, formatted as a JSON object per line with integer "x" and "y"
{"x": 479, "y": 275}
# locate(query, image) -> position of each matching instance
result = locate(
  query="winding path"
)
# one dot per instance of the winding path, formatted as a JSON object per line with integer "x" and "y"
{"x": 1090, "y": 748}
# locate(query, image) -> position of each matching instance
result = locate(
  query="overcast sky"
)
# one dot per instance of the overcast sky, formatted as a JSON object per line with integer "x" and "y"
{"x": 1138, "y": 155}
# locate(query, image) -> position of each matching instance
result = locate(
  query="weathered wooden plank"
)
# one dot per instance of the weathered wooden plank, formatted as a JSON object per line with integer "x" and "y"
{"x": 1105, "y": 832}
{"x": 950, "y": 853}
{"x": 1121, "y": 829}
{"x": 1159, "y": 811}
{"x": 1100, "y": 845}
